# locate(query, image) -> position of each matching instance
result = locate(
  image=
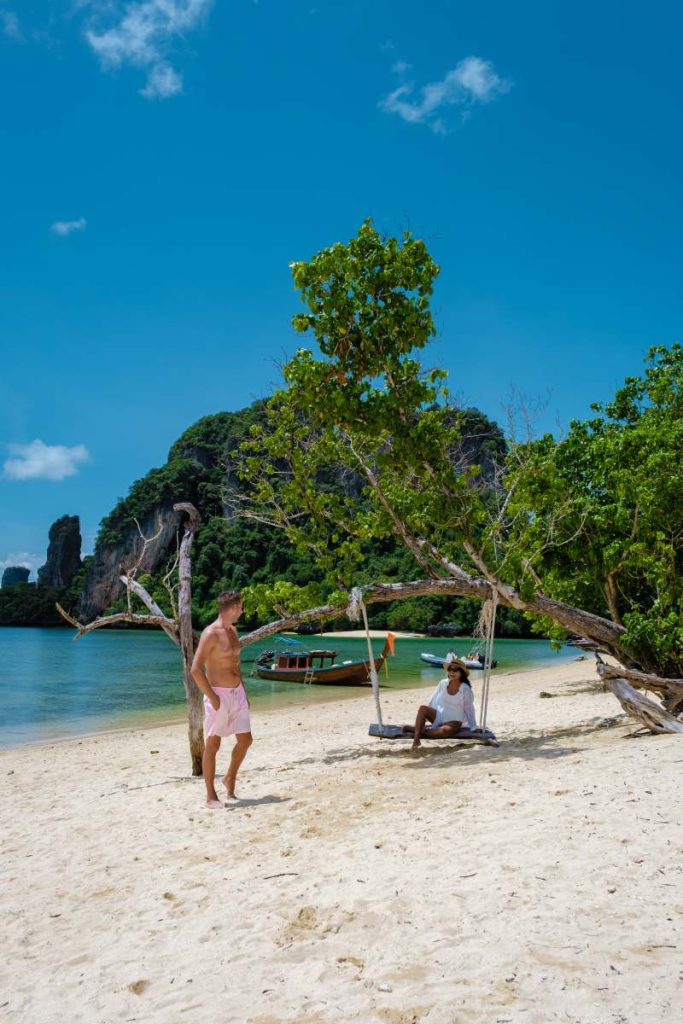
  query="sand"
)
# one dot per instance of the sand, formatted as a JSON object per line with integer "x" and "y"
{"x": 535, "y": 883}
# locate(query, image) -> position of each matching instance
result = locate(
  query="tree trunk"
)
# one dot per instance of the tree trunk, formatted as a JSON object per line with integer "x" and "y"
{"x": 611, "y": 596}
{"x": 604, "y": 632}
{"x": 670, "y": 691}
{"x": 653, "y": 716}
{"x": 195, "y": 708}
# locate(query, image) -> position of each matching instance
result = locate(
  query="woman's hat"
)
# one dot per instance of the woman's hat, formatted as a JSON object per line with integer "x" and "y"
{"x": 458, "y": 664}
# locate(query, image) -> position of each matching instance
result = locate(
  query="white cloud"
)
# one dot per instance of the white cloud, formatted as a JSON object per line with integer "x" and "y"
{"x": 24, "y": 558}
{"x": 162, "y": 82}
{"x": 40, "y": 461}
{"x": 142, "y": 35}
{"x": 400, "y": 67}
{"x": 9, "y": 24}
{"x": 473, "y": 80}
{"x": 67, "y": 227}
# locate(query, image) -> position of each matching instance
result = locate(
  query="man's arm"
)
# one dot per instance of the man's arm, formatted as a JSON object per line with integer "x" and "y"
{"x": 205, "y": 643}
{"x": 235, "y": 644}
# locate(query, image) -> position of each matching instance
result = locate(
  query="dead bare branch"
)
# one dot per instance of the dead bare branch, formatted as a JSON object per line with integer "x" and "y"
{"x": 643, "y": 680}
{"x": 111, "y": 620}
{"x": 653, "y": 716}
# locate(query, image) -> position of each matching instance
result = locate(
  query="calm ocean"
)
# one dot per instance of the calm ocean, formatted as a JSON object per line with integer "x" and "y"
{"x": 52, "y": 686}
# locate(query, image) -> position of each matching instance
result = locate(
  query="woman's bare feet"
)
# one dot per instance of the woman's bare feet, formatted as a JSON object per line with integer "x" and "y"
{"x": 214, "y": 805}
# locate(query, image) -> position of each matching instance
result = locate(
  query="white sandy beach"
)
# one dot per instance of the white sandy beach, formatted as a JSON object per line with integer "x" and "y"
{"x": 535, "y": 883}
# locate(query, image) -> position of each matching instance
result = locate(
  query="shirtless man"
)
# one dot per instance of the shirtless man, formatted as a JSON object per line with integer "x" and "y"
{"x": 216, "y": 671}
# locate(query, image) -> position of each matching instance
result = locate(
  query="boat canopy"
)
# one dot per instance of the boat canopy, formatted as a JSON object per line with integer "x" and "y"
{"x": 301, "y": 659}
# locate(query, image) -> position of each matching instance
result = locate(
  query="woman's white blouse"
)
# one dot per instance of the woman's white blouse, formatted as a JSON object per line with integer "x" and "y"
{"x": 454, "y": 707}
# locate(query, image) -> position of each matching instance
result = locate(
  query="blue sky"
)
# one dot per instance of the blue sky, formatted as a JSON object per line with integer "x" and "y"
{"x": 163, "y": 161}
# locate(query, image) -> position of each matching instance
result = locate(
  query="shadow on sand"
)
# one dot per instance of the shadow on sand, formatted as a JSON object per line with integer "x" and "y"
{"x": 240, "y": 803}
{"x": 550, "y": 745}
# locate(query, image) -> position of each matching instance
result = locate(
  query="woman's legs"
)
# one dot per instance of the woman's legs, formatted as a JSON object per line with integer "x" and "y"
{"x": 424, "y": 714}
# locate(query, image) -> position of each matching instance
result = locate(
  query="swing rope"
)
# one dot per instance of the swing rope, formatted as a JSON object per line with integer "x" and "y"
{"x": 356, "y": 605}
{"x": 487, "y": 627}
{"x": 486, "y": 624}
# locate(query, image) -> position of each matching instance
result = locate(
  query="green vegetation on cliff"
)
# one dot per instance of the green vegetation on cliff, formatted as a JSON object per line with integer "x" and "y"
{"x": 33, "y": 604}
{"x": 234, "y": 552}
{"x": 197, "y": 470}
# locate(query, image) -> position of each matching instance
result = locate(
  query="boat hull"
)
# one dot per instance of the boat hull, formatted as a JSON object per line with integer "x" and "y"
{"x": 355, "y": 674}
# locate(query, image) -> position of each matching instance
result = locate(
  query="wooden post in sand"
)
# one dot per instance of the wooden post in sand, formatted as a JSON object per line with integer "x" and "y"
{"x": 195, "y": 705}
{"x": 178, "y": 627}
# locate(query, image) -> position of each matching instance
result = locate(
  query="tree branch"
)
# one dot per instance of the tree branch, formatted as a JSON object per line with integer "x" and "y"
{"x": 171, "y": 627}
{"x": 110, "y": 620}
{"x": 399, "y": 526}
{"x": 653, "y": 716}
{"x": 576, "y": 620}
{"x": 643, "y": 680}
{"x": 451, "y": 567}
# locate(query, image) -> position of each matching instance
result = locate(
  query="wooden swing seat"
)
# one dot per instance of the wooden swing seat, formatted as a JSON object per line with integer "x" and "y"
{"x": 395, "y": 732}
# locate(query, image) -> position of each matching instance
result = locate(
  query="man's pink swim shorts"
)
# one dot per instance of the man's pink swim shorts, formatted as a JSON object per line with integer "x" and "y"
{"x": 232, "y": 715}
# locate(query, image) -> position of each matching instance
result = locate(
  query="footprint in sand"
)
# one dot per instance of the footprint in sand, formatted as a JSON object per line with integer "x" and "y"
{"x": 138, "y": 987}
{"x": 310, "y": 922}
{"x": 404, "y": 1016}
{"x": 312, "y": 832}
{"x": 354, "y": 963}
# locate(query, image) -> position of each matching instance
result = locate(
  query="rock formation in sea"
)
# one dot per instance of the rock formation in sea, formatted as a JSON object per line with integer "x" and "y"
{"x": 63, "y": 553}
{"x": 14, "y": 574}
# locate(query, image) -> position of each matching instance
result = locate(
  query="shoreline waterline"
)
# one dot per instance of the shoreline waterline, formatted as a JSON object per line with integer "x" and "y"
{"x": 134, "y": 727}
{"x": 126, "y": 679}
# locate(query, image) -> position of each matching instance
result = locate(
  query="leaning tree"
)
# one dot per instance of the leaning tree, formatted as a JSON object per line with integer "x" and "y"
{"x": 584, "y": 533}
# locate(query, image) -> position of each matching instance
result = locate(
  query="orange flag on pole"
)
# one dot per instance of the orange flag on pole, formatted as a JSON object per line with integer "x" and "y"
{"x": 390, "y": 644}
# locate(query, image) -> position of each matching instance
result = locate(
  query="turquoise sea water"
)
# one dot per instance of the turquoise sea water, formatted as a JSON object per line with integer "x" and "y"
{"x": 53, "y": 687}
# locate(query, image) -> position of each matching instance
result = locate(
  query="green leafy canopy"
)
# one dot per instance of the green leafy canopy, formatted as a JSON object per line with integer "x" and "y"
{"x": 363, "y": 444}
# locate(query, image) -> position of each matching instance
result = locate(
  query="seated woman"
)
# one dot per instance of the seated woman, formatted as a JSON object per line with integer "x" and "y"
{"x": 450, "y": 708}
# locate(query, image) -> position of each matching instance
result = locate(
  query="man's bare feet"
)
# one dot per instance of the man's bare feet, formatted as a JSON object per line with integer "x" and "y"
{"x": 214, "y": 805}
{"x": 228, "y": 781}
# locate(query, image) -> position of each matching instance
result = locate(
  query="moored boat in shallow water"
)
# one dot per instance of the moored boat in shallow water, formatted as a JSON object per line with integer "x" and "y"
{"x": 298, "y": 665}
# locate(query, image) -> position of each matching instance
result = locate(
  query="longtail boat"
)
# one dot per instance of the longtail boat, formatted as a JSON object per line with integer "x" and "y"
{"x": 318, "y": 667}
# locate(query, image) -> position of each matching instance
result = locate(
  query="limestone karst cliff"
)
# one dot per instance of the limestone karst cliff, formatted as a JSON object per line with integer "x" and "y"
{"x": 63, "y": 553}
{"x": 197, "y": 470}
